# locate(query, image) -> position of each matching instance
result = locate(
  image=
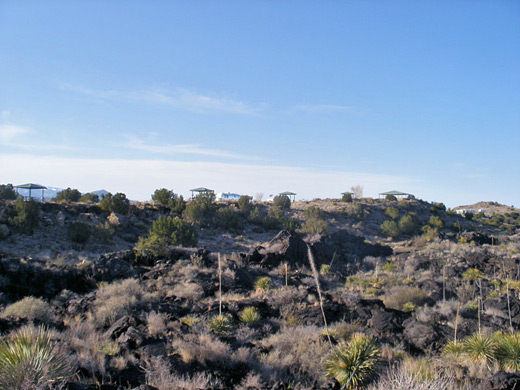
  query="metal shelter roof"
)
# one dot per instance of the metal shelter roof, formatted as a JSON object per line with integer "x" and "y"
{"x": 201, "y": 189}
{"x": 31, "y": 186}
{"x": 395, "y": 193}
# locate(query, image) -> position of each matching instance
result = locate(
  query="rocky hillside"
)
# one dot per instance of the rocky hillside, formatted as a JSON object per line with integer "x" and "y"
{"x": 245, "y": 307}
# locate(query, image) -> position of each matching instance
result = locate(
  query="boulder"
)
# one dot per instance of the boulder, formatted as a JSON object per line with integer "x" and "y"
{"x": 112, "y": 266}
{"x": 505, "y": 381}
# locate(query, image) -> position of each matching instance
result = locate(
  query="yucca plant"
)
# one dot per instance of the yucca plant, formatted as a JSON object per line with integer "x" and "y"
{"x": 453, "y": 349}
{"x": 220, "y": 324}
{"x": 353, "y": 364}
{"x": 263, "y": 283}
{"x": 479, "y": 348}
{"x": 249, "y": 315}
{"x": 30, "y": 359}
{"x": 507, "y": 352}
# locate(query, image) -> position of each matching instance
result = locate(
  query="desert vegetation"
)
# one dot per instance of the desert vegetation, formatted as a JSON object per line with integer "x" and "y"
{"x": 175, "y": 294}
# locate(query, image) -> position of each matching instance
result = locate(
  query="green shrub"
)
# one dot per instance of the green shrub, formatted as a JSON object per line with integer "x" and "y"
{"x": 27, "y": 215}
{"x": 263, "y": 283}
{"x": 392, "y": 212}
{"x": 249, "y": 315}
{"x": 244, "y": 204}
{"x": 30, "y": 308}
{"x": 436, "y": 222}
{"x": 282, "y": 201}
{"x": 290, "y": 223}
{"x": 353, "y": 364}
{"x": 7, "y": 192}
{"x": 256, "y": 217}
{"x": 389, "y": 267}
{"x": 226, "y": 218}
{"x": 104, "y": 232}
{"x": 29, "y": 359}
{"x": 220, "y": 324}
{"x": 274, "y": 218}
{"x": 408, "y": 224}
{"x": 391, "y": 198}
{"x": 89, "y": 198}
{"x": 325, "y": 269}
{"x": 68, "y": 195}
{"x": 314, "y": 221}
{"x": 347, "y": 197}
{"x": 117, "y": 203}
{"x": 167, "y": 231}
{"x": 479, "y": 348}
{"x": 169, "y": 199}
{"x": 78, "y": 232}
{"x": 507, "y": 352}
{"x": 201, "y": 210}
{"x": 389, "y": 229}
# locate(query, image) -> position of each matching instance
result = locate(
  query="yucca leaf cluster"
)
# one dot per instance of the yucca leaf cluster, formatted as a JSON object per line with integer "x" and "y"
{"x": 503, "y": 348}
{"x": 353, "y": 364}
{"x": 29, "y": 358}
{"x": 249, "y": 315}
{"x": 220, "y": 324}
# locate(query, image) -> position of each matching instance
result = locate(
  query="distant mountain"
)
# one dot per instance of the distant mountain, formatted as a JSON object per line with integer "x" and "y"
{"x": 99, "y": 192}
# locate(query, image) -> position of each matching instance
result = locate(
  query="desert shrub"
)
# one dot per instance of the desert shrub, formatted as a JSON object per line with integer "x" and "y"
{"x": 290, "y": 223}
{"x": 30, "y": 359}
{"x": 429, "y": 233}
{"x": 389, "y": 229}
{"x": 324, "y": 269}
{"x": 117, "y": 299}
{"x": 169, "y": 199}
{"x": 353, "y": 364}
{"x": 455, "y": 227}
{"x": 314, "y": 221}
{"x": 7, "y": 192}
{"x": 408, "y": 224}
{"x": 398, "y": 296}
{"x": 68, "y": 195}
{"x": 392, "y": 212}
{"x": 27, "y": 215}
{"x": 355, "y": 211}
{"x": 255, "y": 216}
{"x": 201, "y": 210}
{"x": 274, "y": 218}
{"x": 226, "y": 218}
{"x": 78, "y": 232}
{"x": 282, "y": 201}
{"x": 220, "y": 324}
{"x": 117, "y": 203}
{"x": 391, "y": 198}
{"x": 30, "y": 308}
{"x": 436, "y": 222}
{"x": 389, "y": 267}
{"x": 167, "y": 231}
{"x": 244, "y": 204}
{"x": 89, "y": 198}
{"x": 347, "y": 197}
{"x": 104, "y": 232}
{"x": 156, "y": 323}
{"x": 296, "y": 354}
{"x": 249, "y": 315}
{"x": 507, "y": 352}
{"x": 263, "y": 283}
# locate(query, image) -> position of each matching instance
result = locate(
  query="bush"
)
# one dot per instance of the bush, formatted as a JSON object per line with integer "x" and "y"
{"x": 7, "y": 192}
{"x": 314, "y": 221}
{"x": 169, "y": 199}
{"x": 220, "y": 324}
{"x": 399, "y": 296}
{"x": 29, "y": 359}
{"x": 117, "y": 203}
{"x": 274, "y": 218}
{"x": 104, "y": 232}
{"x": 68, "y": 195}
{"x": 347, "y": 197}
{"x": 389, "y": 229}
{"x": 282, "y": 201}
{"x": 391, "y": 198}
{"x": 353, "y": 364}
{"x": 89, "y": 198}
{"x": 408, "y": 224}
{"x": 508, "y": 352}
{"x": 244, "y": 204}
{"x": 27, "y": 216}
{"x": 263, "y": 283}
{"x": 249, "y": 315}
{"x": 78, "y": 232}
{"x": 436, "y": 222}
{"x": 226, "y": 218}
{"x": 167, "y": 231}
{"x": 30, "y": 308}
{"x": 201, "y": 210}
{"x": 392, "y": 212}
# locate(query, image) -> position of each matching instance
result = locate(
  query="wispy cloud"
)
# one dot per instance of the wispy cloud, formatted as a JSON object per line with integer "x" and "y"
{"x": 179, "y": 98}
{"x": 137, "y": 143}
{"x": 9, "y": 132}
{"x": 328, "y": 108}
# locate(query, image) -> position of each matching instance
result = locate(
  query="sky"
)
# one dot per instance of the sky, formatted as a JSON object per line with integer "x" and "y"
{"x": 263, "y": 96}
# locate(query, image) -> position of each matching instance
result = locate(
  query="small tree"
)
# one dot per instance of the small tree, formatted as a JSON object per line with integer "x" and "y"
{"x": 7, "y": 192}
{"x": 408, "y": 224}
{"x": 68, "y": 195}
{"x": 435, "y": 222}
{"x": 226, "y": 218}
{"x": 89, "y": 198}
{"x": 117, "y": 203}
{"x": 245, "y": 205}
{"x": 202, "y": 209}
{"x": 282, "y": 201}
{"x": 314, "y": 221}
{"x": 27, "y": 215}
{"x": 389, "y": 229}
{"x": 169, "y": 199}
{"x": 392, "y": 212}
{"x": 78, "y": 232}
{"x": 167, "y": 231}
{"x": 347, "y": 197}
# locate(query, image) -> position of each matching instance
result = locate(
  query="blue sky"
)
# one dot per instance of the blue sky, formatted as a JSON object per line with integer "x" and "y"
{"x": 263, "y": 96}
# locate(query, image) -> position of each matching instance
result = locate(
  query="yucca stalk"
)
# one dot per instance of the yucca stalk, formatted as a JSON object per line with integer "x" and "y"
{"x": 353, "y": 364}
{"x": 30, "y": 358}
{"x": 508, "y": 352}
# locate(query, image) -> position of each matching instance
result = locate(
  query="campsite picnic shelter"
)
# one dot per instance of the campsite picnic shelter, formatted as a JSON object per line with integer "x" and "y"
{"x": 30, "y": 187}
{"x": 200, "y": 190}
{"x": 289, "y": 194}
{"x": 397, "y": 194}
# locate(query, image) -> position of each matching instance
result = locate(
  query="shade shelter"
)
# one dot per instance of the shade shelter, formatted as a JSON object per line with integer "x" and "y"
{"x": 30, "y": 187}
{"x": 200, "y": 190}
{"x": 347, "y": 192}
{"x": 397, "y": 194}
{"x": 289, "y": 194}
